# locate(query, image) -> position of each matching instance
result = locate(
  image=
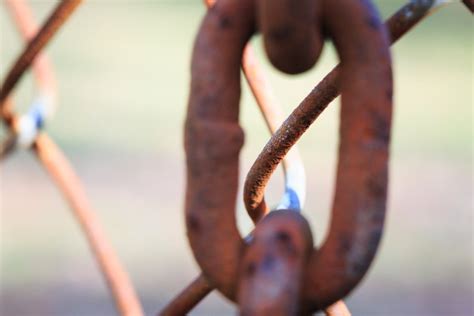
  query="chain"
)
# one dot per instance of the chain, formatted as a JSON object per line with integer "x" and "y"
{"x": 275, "y": 269}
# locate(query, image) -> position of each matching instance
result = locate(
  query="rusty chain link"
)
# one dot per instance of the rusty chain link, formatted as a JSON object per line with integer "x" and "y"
{"x": 274, "y": 270}
{"x": 213, "y": 140}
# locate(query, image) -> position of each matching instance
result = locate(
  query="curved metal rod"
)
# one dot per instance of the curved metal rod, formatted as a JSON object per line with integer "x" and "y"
{"x": 294, "y": 196}
{"x": 57, "y": 165}
{"x": 62, "y": 173}
{"x": 28, "y": 125}
{"x": 293, "y": 168}
{"x": 213, "y": 139}
{"x": 69, "y": 184}
{"x": 278, "y": 147}
{"x": 60, "y": 14}
{"x": 188, "y": 298}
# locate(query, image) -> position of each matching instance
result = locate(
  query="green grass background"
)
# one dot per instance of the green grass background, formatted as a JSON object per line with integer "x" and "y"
{"x": 123, "y": 74}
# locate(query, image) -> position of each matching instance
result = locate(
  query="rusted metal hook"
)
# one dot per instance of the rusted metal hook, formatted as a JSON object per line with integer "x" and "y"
{"x": 213, "y": 140}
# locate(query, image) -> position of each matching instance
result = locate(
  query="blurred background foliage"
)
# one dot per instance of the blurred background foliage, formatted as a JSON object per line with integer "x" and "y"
{"x": 123, "y": 74}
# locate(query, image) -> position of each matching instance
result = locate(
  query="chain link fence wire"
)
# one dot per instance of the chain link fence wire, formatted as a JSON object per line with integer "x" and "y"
{"x": 26, "y": 131}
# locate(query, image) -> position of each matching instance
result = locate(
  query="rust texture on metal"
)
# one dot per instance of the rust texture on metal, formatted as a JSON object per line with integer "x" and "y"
{"x": 292, "y": 40}
{"x": 293, "y": 169}
{"x": 199, "y": 288}
{"x": 273, "y": 116}
{"x": 292, "y": 164}
{"x": 275, "y": 270}
{"x": 213, "y": 139}
{"x": 312, "y": 106}
{"x": 272, "y": 269}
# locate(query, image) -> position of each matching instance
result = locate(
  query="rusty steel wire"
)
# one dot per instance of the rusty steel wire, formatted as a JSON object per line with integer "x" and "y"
{"x": 54, "y": 161}
{"x": 64, "y": 9}
{"x": 293, "y": 170}
{"x": 314, "y": 104}
{"x": 26, "y": 128}
{"x": 67, "y": 181}
{"x": 62, "y": 173}
{"x": 188, "y": 298}
{"x": 274, "y": 270}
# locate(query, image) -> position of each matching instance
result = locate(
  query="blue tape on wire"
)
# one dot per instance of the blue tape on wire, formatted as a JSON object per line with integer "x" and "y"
{"x": 32, "y": 122}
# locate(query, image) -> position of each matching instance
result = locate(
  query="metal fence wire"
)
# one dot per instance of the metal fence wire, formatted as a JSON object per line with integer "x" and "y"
{"x": 275, "y": 270}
